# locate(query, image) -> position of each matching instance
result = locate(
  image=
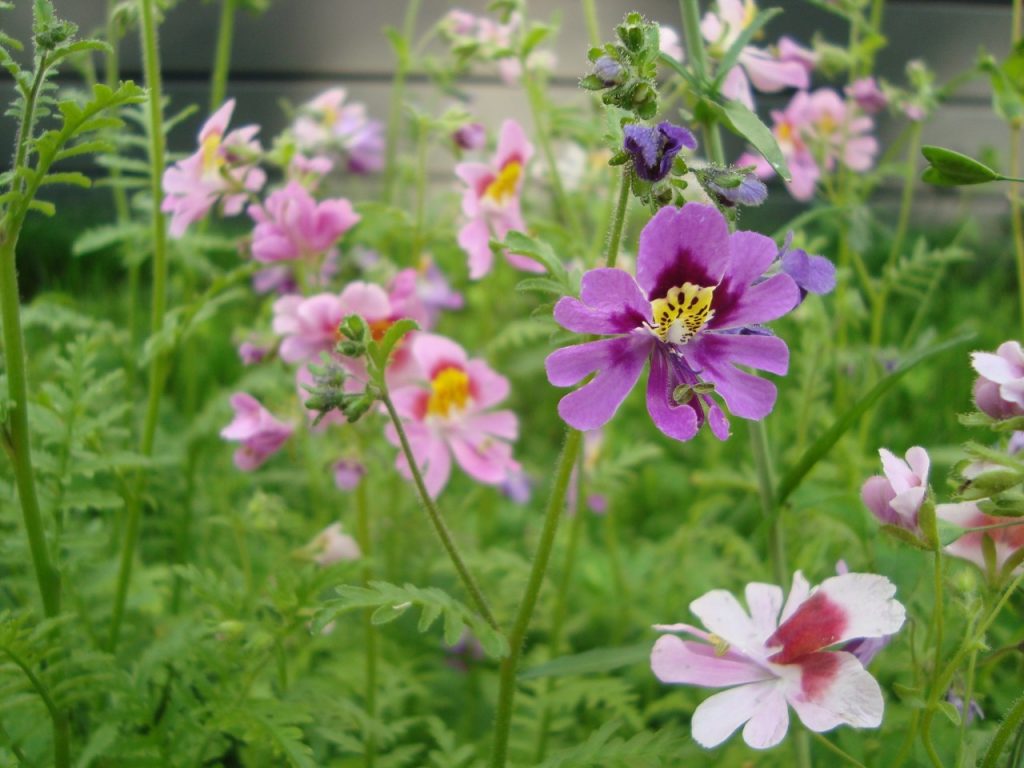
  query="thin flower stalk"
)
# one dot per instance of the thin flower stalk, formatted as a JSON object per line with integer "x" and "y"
{"x": 157, "y": 366}
{"x": 222, "y": 57}
{"x": 394, "y": 130}
{"x": 365, "y": 536}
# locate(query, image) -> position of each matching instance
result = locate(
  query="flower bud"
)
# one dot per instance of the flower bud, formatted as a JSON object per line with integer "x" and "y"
{"x": 609, "y": 71}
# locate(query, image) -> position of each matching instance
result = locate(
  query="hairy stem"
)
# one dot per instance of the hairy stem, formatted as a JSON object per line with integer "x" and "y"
{"x": 151, "y": 66}
{"x": 618, "y": 219}
{"x": 510, "y": 664}
{"x": 440, "y": 527}
{"x": 1010, "y": 725}
{"x": 222, "y": 57}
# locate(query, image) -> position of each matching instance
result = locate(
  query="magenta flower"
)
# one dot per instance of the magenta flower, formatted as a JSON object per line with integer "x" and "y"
{"x": 769, "y": 72}
{"x": 450, "y": 413}
{"x": 896, "y": 498}
{"x": 217, "y": 171}
{"x": 491, "y": 201}
{"x": 292, "y": 225}
{"x": 470, "y": 136}
{"x": 999, "y": 389}
{"x": 971, "y": 546}
{"x": 348, "y": 474}
{"x": 332, "y": 546}
{"x": 256, "y": 429}
{"x": 868, "y": 95}
{"x": 328, "y": 124}
{"x": 772, "y": 656}
{"x": 694, "y": 310}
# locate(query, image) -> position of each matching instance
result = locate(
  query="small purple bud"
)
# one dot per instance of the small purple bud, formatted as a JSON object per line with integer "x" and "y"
{"x": 517, "y": 487}
{"x": 251, "y": 353}
{"x": 653, "y": 148}
{"x": 868, "y": 95}
{"x": 750, "y": 191}
{"x": 348, "y": 474}
{"x": 813, "y": 274}
{"x": 608, "y": 70}
{"x": 470, "y": 136}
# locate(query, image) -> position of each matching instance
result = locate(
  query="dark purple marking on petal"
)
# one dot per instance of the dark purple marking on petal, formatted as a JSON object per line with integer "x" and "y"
{"x": 682, "y": 245}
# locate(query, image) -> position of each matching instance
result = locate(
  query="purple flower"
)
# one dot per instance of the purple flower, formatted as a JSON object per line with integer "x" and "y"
{"x": 653, "y": 148}
{"x": 750, "y": 190}
{"x": 896, "y": 498}
{"x": 868, "y": 95}
{"x": 517, "y": 487}
{"x": 260, "y": 434}
{"x": 608, "y": 70}
{"x": 814, "y": 274}
{"x": 348, "y": 473}
{"x": 470, "y": 136}
{"x": 698, "y": 293}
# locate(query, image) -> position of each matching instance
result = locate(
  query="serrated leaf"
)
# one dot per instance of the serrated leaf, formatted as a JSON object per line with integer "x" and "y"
{"x": 524, "y": 245}
{"x": 71, "y": 178}
{"x": 107, "y": 236}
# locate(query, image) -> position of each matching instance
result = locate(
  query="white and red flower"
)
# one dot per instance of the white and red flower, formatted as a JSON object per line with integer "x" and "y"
{"x": 772, "y": 656}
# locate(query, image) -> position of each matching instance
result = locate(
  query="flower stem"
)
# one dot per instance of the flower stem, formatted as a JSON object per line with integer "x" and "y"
{"x": 61, "y": 726}
{"x": 690, "y": 11}
{"x": 397, "y": 97}
{"x": 437, "y": 521}
{"x": 965, "y": 713}
{"x": 835, "y": 749}
{"x": 618, "y": 220}
{"x": 370, "y": 700}
{"x": 766, "y": 489}
{"x": 937, "y": 618}
{"x": 1010, "y": 725}
{"x": 151, "y": 66}
{"x": 510, "y": 664}
{"x": 222, "y": 57}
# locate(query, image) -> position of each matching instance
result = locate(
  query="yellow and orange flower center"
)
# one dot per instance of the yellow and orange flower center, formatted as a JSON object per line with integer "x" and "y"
{"x": 784, "y": 132}
{"x": 449, "y": 391}
{"x": 211, "y": 154}
{"x": 682, "y": 313}
{"x": 827, "y": 124}
{"x": 504, "y": 185}
{"x": 749, "y": 13}
{"x": 379, "y": 327}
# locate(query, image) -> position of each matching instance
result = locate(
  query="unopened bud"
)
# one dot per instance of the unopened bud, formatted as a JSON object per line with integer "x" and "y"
{"x": 609, "y": 71}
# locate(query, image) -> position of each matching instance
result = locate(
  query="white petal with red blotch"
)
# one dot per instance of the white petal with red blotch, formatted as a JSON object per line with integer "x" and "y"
{"x": 721, "y": 613}
{"x": 487, "y": 385}
{"x": 680, "y": 661}
{"x": 765, "y": 603}
{"x": 434, "y": 353}
{"x": 718, "y": 717}
{"x": 798, "y": 592}
{"x": 846, "y": 694}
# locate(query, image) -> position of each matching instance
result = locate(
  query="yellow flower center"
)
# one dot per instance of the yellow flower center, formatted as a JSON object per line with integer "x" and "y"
{"x": 504, "y": 185}
{"x": 212, "y": 158}
{"x": 682, "y": 313}
{"x": 784, "y": 132}
{"x": 330, "y": 117}
{"x": 448, "y": 391}
{"x": 749, "y": 13}
{"x": 827, "y": 124}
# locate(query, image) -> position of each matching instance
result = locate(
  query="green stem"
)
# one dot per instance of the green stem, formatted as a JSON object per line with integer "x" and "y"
{"x": 965, "y": 713}
{"x": 437, "y": 521}
{"x": 940, "y": 683}
{"x": 765, "y": 486}
{"x": 61, "y": 726}
{"x": 151, "y": 66}
{"x": 370, "y": 631}
{"x": 27, "y": 119}
{"x": 1011, "y": 723}
{"x": 222, "y": 57}
{"x": 619, "y": 218}
{"x": 835, "y": 749}
{"x": 690, "y": 11}
{"x": 422, "y": 135}
{"x": 939, "y": 606}
{"x": 593, "y": 27}
{"x": 397, "y": 98}
{"x": 510, "y": 664}
{"x": 1015, "y": 212}
{"x": 535, "y": 96}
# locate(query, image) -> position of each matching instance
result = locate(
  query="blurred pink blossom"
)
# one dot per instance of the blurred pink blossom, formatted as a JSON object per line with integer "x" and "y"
{"x": 291, "y": 225}
{"x": 328, "y": 124}
{"x": 260, "y": 434}
{"x": 999, "y": 389}
{"x": 896, "y": 498}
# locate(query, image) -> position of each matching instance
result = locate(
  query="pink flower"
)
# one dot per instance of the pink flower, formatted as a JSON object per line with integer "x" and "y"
{"x": 1005, "y": 541}
{"x": 897, "y": 498}
{"x": 669, "y": 43}
{"x": 256, "y": 429}
{"x": 470, "y": 136}
{"x": 328, "y": 124}
{"x": 772, "y": 656}
{"x": 787, "y": 68}
{"x": 449, "y": 413}
{"x": 333, "y": 546}
{"x": 251, "y": 353}
{"x": 491, "y": 201}
{"x": 999, "y": 389}
{"x": 348, "y": 474}
{"x": 292, "y": 225}
{"x": 217, "y": 171}
{"x": 868, "y": 95}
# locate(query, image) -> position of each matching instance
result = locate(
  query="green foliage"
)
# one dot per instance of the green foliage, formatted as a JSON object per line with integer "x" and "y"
{"x": 953, "y": 169}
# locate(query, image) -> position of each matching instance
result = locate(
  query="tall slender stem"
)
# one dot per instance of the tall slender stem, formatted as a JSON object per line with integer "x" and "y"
{"x": 397, "y": 97}
{"x": 766, "y": 489}
{"x": 61, "y": 726}
{"x": 690, "y": 10}
{"x": 510, "y": 664}
{"x": 618, "y": 219}
{"x": 222, "y": 57}
{"x": 1010, "y": 725}
{"x": 151, "y": 65}
{"x": 440, "y": 527}
{"x": 593, "y": 27}
{"x": 370, "y": 631}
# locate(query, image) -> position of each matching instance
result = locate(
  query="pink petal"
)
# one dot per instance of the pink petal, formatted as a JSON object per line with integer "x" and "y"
{"x": 718, "y": 717}
{"x": 678, "y": 661}
{"x": 611, "y": 302}
{"x": 770, "y": 75}
{"x": 722, "y": 614}
{"x": 798, "y": 592}
{"x": 365, "y": 299}
{"x": 434, "y": 353}
{"x": 488, "y": 387}
{"x": 502, "y": 424}
{"x": 513, "y": 146}
{"x": 474, "y": 239}
{"x": 680, "y": 421}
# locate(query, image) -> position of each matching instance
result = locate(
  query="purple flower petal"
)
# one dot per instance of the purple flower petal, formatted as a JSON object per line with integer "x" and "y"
{"x": 814, "y": 274}
{"x": 611, "y": 303}
{"x": 755, "y": 304}
{"x": 747, "y": 396}
{"x": 679, "y": 421}
{"x": 618, "y": 361}
{"x": 682, "y": 245}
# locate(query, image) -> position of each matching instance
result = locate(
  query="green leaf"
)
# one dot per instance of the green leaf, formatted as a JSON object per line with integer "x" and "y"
{"x": 1006, "y": 95}
{"x": 106, "y": 236}
{"x": 381, "y": 350}
{"x": 537, "y": 34}
{"x": 72, "y": 178}
{"x": 823, "y": 444}
{"x": 523, "y": 244}
{"x": 598, "y": 660}
{"x": 744, "y": 123}
{"x": 952, "y": 169}
{"x": 43, "y": 206}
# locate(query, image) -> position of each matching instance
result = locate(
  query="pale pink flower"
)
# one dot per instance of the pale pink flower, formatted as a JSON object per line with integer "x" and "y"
{"x": 1005, "y": 541}
{"x": 999, "y": 389}
{"x": 867, "y": 94}
{"x": 669, "y": 43}
{"x": 332, "y": 545}
{"x": 348, "y": 474}
{"x": 450, "y": 413}
{"x": 218, "y": 170}
{"x": 251, "y": 353}
{"x": 291, "y": 225}
{"x": 773, "y": 656}
{"x": 470, "y": 136}
{"x": 491, "y": 201}
{"x": 328, "y": 124}
{"x": 769, "y": 72}
{"x": 896, "y": 498}
{"x": 260, "y": 434}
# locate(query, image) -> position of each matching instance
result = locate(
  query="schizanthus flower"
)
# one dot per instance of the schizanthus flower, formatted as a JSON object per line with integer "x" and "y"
{"x": 449, "y": 413}
{"x": 328, "y": 124}
{"x": 1002, "y": 541}
{"x": 896, "y": 498}
{"x": 333, "y": 545}
{"x": 773, "y": 656}
{"x": 218, "y": 170}
{"x": 652, "y": 148}
{"x": 694, "y": 311}
{"x": 291, "y": 225}
{"x": 999, "y": 390}
{"x": 491, "y": 201}
{"x": 260, "y": 434}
